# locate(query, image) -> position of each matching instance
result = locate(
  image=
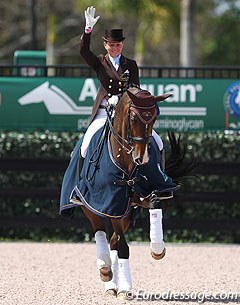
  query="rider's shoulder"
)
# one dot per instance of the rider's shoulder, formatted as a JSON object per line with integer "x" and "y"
{"x": 101, "y": 57}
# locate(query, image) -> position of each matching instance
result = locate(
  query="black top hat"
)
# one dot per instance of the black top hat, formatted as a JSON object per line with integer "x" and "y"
{"x": 114, "y": 35}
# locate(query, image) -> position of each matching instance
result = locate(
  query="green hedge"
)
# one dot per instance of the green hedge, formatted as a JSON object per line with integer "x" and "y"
{"x": 222, "y": 146}
{"x": 219, "y": 146}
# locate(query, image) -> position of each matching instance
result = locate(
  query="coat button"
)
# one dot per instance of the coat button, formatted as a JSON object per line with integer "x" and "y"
{"x": 110, "y": 86}
{"x": 120, "y": 83}
{"x": 109, "y": 94}
{"x": 111, "y": 80}
{"x": 119, "y": 89}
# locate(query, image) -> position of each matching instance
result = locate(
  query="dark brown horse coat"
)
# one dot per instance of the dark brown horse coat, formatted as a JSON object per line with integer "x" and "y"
{"x": 110, "y": 81}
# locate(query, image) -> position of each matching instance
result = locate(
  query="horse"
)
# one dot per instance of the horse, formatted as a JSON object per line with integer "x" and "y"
{"x": 125, "y": 147}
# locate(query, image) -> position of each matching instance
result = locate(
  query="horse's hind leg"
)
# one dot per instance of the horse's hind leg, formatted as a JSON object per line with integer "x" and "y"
{"x": 111, "y": 287}
{"x": 103, "y": 254}
{"x": 157, "y": 246}
{"x": 124, "y": 274}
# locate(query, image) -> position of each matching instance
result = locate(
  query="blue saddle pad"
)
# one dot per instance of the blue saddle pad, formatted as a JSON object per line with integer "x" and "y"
{"x": 99, "y": 188}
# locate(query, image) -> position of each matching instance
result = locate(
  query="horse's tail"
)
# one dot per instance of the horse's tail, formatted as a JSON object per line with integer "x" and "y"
{"x": 178, "y": 166}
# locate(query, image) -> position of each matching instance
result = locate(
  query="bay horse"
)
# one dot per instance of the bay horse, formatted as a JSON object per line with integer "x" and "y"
{"x": 122, "y": 170}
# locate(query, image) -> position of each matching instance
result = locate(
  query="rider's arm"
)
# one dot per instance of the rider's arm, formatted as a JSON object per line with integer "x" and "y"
{"x": 91, "y": 59}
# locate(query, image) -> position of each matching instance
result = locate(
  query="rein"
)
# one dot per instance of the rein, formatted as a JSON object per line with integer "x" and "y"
{"x": 97, "y": 152}
{"x": 117, "y": 136}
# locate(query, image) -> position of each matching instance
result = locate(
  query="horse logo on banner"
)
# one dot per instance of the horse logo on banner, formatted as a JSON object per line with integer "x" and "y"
{"x": 55, "y": 100}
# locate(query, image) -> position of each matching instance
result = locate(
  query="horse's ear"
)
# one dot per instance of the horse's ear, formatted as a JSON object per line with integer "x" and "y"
{"x": 132, "y": 96}
{"x": 162, "y": 97}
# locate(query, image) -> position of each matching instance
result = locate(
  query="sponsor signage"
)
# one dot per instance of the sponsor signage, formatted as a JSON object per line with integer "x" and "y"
{"x": 66, "y": 103}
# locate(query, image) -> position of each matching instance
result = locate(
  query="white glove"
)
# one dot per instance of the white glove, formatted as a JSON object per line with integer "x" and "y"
{"x": 113, "y": 100}
{"x": 90, "y": 19}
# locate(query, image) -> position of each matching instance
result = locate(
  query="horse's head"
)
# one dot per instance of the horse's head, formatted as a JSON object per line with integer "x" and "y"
{"x": 138, "y": 112}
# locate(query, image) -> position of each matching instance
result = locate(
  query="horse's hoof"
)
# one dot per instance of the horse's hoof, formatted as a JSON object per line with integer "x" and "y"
{"x": 160, "y": 255}
{"x": 106, "y": 274}
{"x": 111, "y": 293}
{"x": 125, "y": 295}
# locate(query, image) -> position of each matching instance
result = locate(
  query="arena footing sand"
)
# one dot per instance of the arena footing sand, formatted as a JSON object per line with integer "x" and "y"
{"x": 64, "y": 273}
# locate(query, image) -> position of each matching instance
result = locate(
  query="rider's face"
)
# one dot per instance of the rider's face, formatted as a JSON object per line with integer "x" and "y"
{"x": 113, "y": 48}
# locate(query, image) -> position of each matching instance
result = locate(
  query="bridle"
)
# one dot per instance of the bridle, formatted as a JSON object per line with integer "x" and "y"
{"x": 146, "y": 115}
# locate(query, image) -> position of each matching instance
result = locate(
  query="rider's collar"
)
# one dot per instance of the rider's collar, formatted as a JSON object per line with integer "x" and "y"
{"x": 115, "y": 60}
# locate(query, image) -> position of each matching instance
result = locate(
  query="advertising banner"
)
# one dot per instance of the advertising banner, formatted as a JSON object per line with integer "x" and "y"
{"x": 65, "y": 103}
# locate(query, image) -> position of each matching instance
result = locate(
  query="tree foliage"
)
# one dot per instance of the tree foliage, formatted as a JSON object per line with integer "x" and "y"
{"x": 224, "y": 49}
{"x": 152, "y": 29}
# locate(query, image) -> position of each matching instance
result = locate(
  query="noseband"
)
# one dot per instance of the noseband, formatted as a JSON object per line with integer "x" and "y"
{"x": 146, "y": 115}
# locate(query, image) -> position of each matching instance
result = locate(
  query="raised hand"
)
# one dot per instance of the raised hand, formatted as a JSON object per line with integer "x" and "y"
{"x": 90, "y": 19}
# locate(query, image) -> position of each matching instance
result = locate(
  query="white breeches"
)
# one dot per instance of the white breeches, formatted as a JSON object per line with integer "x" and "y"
{"x": 97, "y": 123}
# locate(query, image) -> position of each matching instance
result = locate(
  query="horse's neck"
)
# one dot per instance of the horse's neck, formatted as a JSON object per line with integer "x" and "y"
{"x": 120, "y": 149}
{"x": 121, "y": 155}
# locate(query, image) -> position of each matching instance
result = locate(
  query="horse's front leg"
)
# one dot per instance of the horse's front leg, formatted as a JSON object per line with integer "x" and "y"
{"x": 157, "y": 246}
{"x": 124, "y": 273}
{"x": 103, "y": 254}
{"x": 154, "y": 204}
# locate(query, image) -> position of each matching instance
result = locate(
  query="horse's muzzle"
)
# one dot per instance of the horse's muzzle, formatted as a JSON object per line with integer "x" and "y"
{"x": 140, "y": 158}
